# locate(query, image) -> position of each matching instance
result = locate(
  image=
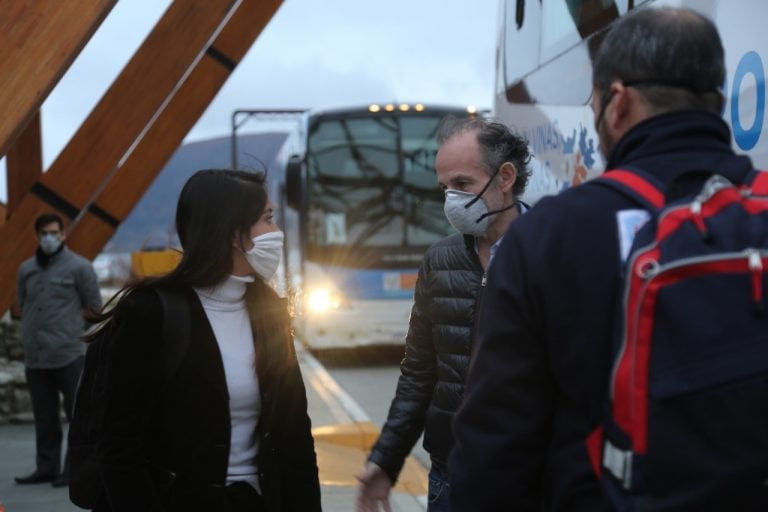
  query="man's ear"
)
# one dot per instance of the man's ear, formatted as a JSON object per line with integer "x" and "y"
{"x": 619, "y": 105}
{"x": 507, "y": 176}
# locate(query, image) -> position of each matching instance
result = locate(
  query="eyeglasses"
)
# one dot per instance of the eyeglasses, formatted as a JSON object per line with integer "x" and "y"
{"x": 44, "y": 232}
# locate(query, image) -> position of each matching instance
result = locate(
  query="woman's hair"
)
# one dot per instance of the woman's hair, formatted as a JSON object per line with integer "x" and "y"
{"x": 215, "y": 208}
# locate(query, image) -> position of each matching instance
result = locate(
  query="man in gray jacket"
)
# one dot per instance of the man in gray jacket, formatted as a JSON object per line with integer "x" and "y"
{"x": 57, "y": 290}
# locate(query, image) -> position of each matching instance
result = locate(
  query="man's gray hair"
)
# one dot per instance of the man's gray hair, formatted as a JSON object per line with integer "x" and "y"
{"x": 497, "y": 143}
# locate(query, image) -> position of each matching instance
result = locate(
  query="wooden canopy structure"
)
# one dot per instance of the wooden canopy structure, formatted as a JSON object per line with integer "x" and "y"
{"x": 133, "y": 130}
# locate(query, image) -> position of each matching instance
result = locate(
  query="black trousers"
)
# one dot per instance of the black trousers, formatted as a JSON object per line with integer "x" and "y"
{"x": 44, "y": 388}
{"x": 238, "y": 497}
{"x": 242, "y": 497}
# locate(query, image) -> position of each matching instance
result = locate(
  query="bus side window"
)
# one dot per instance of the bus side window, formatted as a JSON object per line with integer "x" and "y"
{"x": 547, "y": 48}
{"x": 592, "y": 15}
{"x": 565, "y": 24}
{"x": 521, "y": 29}
{"x": 520, "y": 13}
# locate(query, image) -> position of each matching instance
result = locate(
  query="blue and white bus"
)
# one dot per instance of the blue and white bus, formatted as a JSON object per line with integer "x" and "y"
{"x": 544, "y": 79}
{"x": 359, "y": 202}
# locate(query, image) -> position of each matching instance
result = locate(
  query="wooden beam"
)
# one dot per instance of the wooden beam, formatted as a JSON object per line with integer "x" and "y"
{"x": 39, "y": 41}
{"x": 138, "y": 172}
{"x": 115, "y": 126}
{"x": 138, "y": 94}
{"x": 24, "y": 163}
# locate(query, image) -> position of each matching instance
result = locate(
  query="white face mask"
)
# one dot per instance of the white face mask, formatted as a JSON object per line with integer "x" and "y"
{"x": 266, "y": 253}
{"x": 468, "y": 213}
{"x": 49, "y": 243}
{"x": 466, "y": 216}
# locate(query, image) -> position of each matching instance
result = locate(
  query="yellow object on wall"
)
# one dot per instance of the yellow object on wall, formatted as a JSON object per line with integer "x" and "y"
{"x": 154, "y": 263}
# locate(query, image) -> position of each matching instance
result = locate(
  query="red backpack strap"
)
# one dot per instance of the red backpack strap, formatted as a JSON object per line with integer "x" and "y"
{"x": 758, "y": 182}
{"x": 635, "y": 185}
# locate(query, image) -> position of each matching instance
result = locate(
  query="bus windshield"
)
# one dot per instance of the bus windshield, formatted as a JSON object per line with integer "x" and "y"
{"x": 372, "y": 184}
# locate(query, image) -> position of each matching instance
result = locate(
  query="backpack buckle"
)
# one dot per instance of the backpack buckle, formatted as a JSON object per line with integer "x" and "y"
{"x": 619, "y": 463}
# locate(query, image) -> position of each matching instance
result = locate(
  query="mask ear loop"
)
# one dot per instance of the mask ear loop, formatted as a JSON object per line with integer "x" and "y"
{"x": 604, "y": 101}
{"x": 494, "y": 212}
{"x": 478, "y": 196}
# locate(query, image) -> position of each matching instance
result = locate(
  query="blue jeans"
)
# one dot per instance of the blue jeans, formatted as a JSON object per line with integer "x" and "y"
{"x": 439, "y": 491}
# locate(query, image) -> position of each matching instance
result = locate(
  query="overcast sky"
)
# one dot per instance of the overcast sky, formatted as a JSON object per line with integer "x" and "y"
{"x": 313, "y": 53}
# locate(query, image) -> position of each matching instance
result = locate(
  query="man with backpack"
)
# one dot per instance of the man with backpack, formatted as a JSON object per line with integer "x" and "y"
{"x": 596, "y": 385}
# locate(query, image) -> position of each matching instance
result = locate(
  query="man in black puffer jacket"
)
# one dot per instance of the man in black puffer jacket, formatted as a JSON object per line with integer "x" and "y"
{"x": 481, "y": 166}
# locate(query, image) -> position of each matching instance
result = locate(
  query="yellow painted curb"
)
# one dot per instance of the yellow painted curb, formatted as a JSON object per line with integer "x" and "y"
{"x": 342, "y": 451}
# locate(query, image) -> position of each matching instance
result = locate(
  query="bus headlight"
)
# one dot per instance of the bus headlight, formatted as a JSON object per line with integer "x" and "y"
{"x": 323, "y": 299}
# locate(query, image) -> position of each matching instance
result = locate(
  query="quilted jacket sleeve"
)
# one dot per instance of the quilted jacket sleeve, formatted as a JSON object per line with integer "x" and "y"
{"x": 405, "y": 421}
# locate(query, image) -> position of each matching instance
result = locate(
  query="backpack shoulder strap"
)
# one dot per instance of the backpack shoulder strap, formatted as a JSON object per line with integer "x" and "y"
{"x": 757, "y": 180}
{"x": 636, "y": 185}
{"x": 176, "y": 329}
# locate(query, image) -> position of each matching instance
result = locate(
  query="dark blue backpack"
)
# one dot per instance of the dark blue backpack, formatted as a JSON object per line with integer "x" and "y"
{"x": 687, "y": 415}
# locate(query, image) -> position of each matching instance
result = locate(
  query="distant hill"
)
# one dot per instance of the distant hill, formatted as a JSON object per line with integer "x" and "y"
{"x": 151, "y": 223}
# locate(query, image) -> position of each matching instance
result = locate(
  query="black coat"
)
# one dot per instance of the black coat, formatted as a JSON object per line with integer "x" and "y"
{"x": 540, "y": 373}
{"x": 166, "y": 447}
{"x": 437, "y": 349}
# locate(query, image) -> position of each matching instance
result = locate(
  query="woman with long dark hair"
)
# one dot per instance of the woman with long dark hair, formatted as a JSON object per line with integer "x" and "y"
{"x": 229, "y": 431}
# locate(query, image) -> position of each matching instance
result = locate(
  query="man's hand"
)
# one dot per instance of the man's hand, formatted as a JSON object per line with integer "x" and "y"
{"x": 91, "y": 315}
{"x": 373, "y": 490}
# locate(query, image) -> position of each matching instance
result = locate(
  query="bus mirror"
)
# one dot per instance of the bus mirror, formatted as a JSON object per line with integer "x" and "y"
{"x": 293, "y": 182}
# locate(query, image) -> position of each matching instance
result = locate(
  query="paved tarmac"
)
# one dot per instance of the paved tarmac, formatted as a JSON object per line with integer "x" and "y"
{"x": 329, "y": 406}
{"x": 340, "y": 455}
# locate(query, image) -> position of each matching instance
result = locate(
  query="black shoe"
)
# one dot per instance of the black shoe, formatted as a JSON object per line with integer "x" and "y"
{"x": 35, "y": 478}
{"x": 60, "y": 481}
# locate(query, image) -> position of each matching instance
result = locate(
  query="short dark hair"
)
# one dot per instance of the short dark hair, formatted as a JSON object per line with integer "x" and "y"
{"x": 673, "y": 56}
{"x": 47, "y": 218}
{"x": 497, "y": 143}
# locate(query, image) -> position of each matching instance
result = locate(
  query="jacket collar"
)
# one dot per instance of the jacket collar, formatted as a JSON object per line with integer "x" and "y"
{"x": 44, "y": 259}
{"x": 469, "y": 243}
{"x": 677, "y": 142}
